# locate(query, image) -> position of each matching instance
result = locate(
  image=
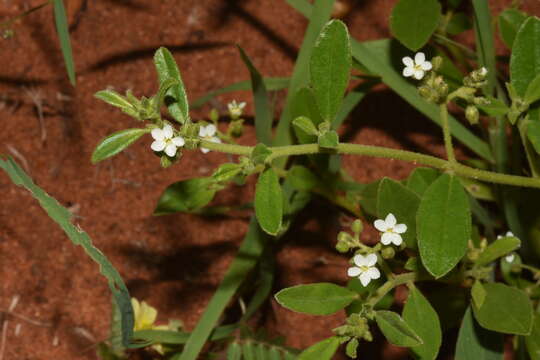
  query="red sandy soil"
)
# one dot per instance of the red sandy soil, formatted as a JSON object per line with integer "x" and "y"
{"x": 173, "y": 262}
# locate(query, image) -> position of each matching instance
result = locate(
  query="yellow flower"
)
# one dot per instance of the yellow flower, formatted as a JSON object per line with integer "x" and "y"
{"x": 145, "y": 315}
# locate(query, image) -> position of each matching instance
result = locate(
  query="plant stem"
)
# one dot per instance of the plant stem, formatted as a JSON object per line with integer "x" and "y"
{"x": 382, "y": 152}
{"x": 390, "y": 284}
{"x": 446, "y": 133}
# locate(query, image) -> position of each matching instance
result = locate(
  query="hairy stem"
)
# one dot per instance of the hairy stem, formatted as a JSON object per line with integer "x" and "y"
{"x": 446, "y": 133}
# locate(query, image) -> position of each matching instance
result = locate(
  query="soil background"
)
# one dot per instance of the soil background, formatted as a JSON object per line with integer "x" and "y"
{"x": 173, "y": 262}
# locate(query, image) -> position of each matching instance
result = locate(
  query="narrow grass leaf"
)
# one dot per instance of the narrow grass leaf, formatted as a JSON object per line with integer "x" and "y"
{"x": 62, "y": 217}
{"x": 263, "y": 110}
{"x": 315, "y": 299}
{"x": 175, "y": 98}
{"x": 351, "y": 101}
{"x": 505, "y": 309}
{"x": 413, "y": 22}
{"x": 423, "y": 319}
{"x": 116, "y": 142}
{"x": 234, "y": 352}
{"x": 62, "y": 29}
{"x": 323, "y": 350}
{"x": 244, "y": 261}
{"x": 443, "y": 225}
{"x": 330, "y": 68}
{"x": 396, "y": 330}
{"x": 179, "y": 337}
{"x": 477, "y": 343}
{"x": 269, "y": 202}
{"x": 485, "y": 42}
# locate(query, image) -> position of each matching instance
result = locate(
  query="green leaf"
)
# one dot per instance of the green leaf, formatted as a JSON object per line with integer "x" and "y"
{"x": 505, "y": 309}
{"x": 403, "y": 203}
{"x": 533, "y": 91}
{"x": 176, "y": 98}
{"x": 315, "y": 299}
{"x": 248, "y": 351}
{"x": 303, "y": 104}
{"x": 259, "y": 153}
{"x": 301, "y": 178}
{"x": 533, "y": 340}
{"x": 421, "y": 178}
{"x": 185, "y": 196}
{"x": 244, "y": 261}
{"x": 498, "y": 248}
{"x": 533, "y": 134}
{"x": 271, "y": 84}
{"x": 304, "y": 124}
{"x": 413, "y": 22}
{"x": 525, "y": 58}
{"x": 423, "y": 319}
{"x": 269, "y": 202}
{"x": 444, "y": 225}
{"x": 476, "y": 343}
{"x": 263, "y": 110}
{"x": 234, "y": 352}
{"x": 62, "y": 217}
{"x": 509, "y": 22}
{"x": 329, "y": 140}
{"x": 323, "y": 350}
{"x": 478, "y": 294}
{"x": 116, "y": 142}
{"x": 62, "y": 29}
{"x": 330, "y": 68}
{"x": 179, "y": 337}
{"x": 318, "y": 18}
{"x": 113, "y": 98}
{"x": 459, "y": 23}
{"x": 484, "y": 42}
{"x": 495, "y": 107}
{"x": 226, "y": 172}
{"x": 396, "y": 330}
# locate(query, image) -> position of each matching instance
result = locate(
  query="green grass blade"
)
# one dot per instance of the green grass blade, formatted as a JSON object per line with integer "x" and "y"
{"x": 271, "y": 84}
{"x": 62, "y": 217}
{"x": 150, "y": 337}
{"x": 263, "y": 110}
{"x": 319, "y": 16}
{"x": 351, "y": 100}
{"x": 266, "y": 281}
{"x": 246, "y": 259}
{"x": 485, "y": 46}
{"x": 62, "y": 28}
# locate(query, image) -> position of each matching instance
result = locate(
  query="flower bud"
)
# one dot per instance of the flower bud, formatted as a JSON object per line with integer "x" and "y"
{"x": 472, "y": 115}
{"x": 357, "y": 226}
{"x": 436, "y": 62}
{"x": 236, "y": 128}
{"x": 213, "y": 115}
{"x": 388, "y": 253}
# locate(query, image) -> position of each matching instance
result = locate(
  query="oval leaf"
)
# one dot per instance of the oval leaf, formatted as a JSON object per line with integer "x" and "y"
{"x": 330, "y": 67}
{"x": 476, "y": 343}
{"x": 498, "y": 248}
{"x": 444, "y": 225}
{"x": 403, "y": 203}
{"x": 396, "y": 330}
{"x": 509, "y": 22}
{"x": 323, "y": 350}
{"x": 185, "y": 196}
{"x": 116, "y": 142}
{"x": 423, "y": 319}
{"x": 175, "y": 98}
{"x": 421, "y": 178}
{"x": 505, "y": 309}
{"x": 413, "y": 21}
{"x": 269, "y": 202}
{"x": 315, "y": 299}
{"x": 533, "y": 340}
{"x": 525, "y": 58}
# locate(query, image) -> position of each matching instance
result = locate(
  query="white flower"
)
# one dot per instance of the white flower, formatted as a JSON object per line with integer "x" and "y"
{"x": 390, "y": 230}
{"x": 417, "y": 67}
{"x": 509, "y": 258}
{"x": 364, "y": 269}
{"x": 208, "y": 133}
{"x": 235, "y": 110}
{"x": 483, "y": 71}
{"x": 508, "y": 234}
{"x": 164, "y": 140}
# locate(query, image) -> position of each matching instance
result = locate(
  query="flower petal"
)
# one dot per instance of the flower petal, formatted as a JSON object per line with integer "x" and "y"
{"x": 380, "y": 225}
{"x": 408, "y": 71}
{"x": 418, "y": 74}
{"x": 158, "y": 134}
{"x": 509, "y": 258}
{"x": 242, "y": 105}
{"x": 371, "y": 259}
{"x": 373, "y": 272}
{"x": 178, "y": 141}
{"x": 354, "y": 271}
{"x": 360, "y": 260}
{"x": 205, "y": 150}
{"x": 390, "y": 220}
{"x": 168, "y": 131}
{"x": 170, "y": 150}
{"x": 158, "y": 145}
{"x": 364, "y": 278}
{"x": 210, "y": 130}
{"x": 419, "y": 58}
{"x": 426, "y": 66}
{"x": 408, "y": 62}
{"x": 202, "y": 131}
{"x": 400, "y": 228}
{"x": 510, "y": 234}
{"x": 214, "y": 139}
{"x": 395, "y": 239}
